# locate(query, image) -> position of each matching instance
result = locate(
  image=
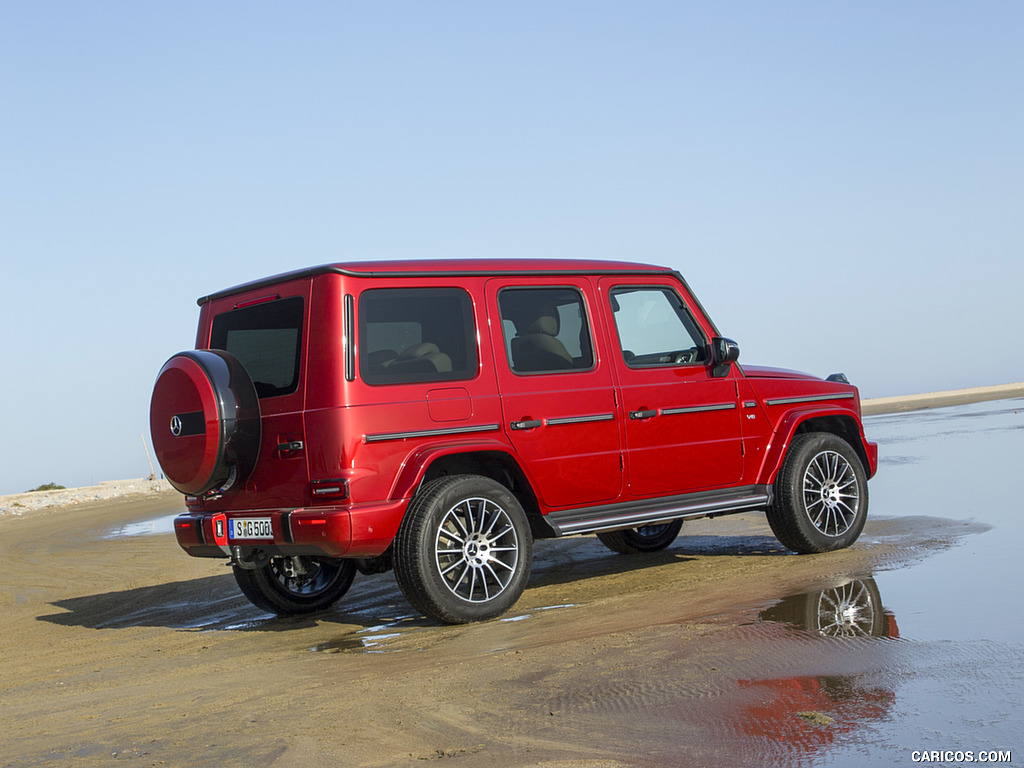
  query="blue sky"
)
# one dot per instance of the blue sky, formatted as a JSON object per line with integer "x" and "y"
{"x": 841, "y": 183}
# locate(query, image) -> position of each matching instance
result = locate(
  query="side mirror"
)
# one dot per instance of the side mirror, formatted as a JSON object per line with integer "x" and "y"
{"x": 724, "y": 352}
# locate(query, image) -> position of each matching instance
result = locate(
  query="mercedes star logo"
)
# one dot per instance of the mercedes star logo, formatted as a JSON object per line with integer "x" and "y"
{"x": 176, "y": 425}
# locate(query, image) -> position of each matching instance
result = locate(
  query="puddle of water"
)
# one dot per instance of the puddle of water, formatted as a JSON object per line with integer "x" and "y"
{"x": 967, "y": 460}
{"x": 524, "y": 616}
{"x": 955, "y": 680}
{"x": 349, "y": 643}
{"x": 853, "y": 609}
{"x": 370, "y": 639}
{"x": 339, "y": 645}
{"x": 799, "y": 720}
{"x": 374, "y": 639}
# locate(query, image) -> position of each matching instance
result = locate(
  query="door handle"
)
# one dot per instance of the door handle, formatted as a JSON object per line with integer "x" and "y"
{"x": 530, "y": 424}
{"x": 648, "y": 414}
{"x": 290, "y": 447}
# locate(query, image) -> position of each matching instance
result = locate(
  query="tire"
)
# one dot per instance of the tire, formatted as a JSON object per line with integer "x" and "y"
{"x": 464, "y": 550}
{"x": 293, "y": 585}
{"x": 821, "y": 495}
{"x": 646, "y": 538}
{"x": 204, "y": 418}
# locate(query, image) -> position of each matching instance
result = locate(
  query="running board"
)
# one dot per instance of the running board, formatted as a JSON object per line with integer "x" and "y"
{"x": 632, "y": 514}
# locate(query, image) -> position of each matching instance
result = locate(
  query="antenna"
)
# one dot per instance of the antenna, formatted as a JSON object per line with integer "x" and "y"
{"x": 145, "y": 447}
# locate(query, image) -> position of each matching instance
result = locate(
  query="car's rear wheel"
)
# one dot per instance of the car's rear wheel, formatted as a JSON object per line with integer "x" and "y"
{"x": 821, "y": 495}
{"x": 464, "y": 549}
{"x": 646, "y": 538}
{"x": 293, "y": 585}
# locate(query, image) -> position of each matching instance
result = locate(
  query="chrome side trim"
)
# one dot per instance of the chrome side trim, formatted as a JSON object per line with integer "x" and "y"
{"x": 579, "y": 419}
{"x": 617, "y": 516}
{"x": 810, "y": 398}
{"x": 348, "y": 335}
{"x": 699, "y": 409}
{"x": 381, "y": 437}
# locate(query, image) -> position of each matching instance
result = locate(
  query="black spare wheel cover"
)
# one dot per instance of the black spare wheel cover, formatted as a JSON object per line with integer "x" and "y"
{"x": 204, "y": 419}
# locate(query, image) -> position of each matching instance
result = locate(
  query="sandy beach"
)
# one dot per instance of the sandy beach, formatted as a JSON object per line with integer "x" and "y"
{"x": 24, "y": 503}
{"x": 903, "y": 403}
{"x": 120, "y": 647}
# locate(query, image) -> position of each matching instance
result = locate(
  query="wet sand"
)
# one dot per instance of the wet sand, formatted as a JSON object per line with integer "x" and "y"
{"x": 125, "y": 648}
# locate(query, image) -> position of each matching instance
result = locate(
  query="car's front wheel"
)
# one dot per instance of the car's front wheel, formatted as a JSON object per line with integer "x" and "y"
{"x": 464, "y": 549}
{"x": 821, "y": 495}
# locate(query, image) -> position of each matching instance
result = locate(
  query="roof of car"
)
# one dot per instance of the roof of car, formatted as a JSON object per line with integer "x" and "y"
{"x": 467, "y": 267}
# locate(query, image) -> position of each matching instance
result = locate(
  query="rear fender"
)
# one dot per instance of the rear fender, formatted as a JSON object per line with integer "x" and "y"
{"x": 418, "y": 462}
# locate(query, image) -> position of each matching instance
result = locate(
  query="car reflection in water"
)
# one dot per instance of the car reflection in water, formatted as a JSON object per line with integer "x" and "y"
{"x": 853, "y": 609}
{"x": 797, "y": 717}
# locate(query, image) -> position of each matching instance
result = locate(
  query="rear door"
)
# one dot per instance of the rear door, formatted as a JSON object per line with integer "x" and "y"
{"x": 557, "y": 396}
{"x": 682, "y": 425}
{"x": 268, "y": 334}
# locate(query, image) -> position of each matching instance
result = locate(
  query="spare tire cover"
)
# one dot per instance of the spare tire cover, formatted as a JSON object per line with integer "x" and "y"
{"x": 204, "y": 419}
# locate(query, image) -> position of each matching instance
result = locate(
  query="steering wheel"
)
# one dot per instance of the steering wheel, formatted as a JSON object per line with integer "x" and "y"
{"x": 685, "y": 356}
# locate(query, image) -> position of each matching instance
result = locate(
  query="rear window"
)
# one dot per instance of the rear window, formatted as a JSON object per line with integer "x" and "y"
{"x": 267, "y": 339}
{"x": 545, "y": 330}
{"x": 411, "y": 335}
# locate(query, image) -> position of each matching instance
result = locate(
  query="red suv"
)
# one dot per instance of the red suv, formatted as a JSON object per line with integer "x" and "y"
{"x": 438, "y": 416}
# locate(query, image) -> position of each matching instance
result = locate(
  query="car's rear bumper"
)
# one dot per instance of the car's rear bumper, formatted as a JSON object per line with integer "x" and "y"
{"x": 365, "y": 530}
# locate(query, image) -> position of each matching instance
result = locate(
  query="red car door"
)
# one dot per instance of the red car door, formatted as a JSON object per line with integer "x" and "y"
{"x": 557, "y": 396}
{"x": 682, "y": 423}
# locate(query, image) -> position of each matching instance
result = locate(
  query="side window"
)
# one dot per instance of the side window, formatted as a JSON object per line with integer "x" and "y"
{"x": 655, "y": 328}
{"x": 411, "y": 335}
{"x": 545, "y": 330}
{"x": 266, "y": 338}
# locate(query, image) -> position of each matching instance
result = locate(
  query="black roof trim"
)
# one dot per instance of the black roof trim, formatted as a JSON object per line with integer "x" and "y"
{"x": 325, "y": 269}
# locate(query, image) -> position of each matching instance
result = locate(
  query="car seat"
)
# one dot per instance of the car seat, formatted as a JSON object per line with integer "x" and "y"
{"x": 536, "y": 346}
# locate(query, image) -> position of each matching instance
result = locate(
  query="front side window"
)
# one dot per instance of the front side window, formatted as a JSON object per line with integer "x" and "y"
{"x": 266, "y": 338}
{"x": 411, "y": 335}
{"x": 655, "y": 328}
{"x": 545, "y": 330}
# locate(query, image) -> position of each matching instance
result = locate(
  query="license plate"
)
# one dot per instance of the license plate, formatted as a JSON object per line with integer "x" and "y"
{"x": 250, "y": 528}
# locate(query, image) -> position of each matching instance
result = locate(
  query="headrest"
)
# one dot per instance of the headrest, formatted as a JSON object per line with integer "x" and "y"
{"x": 545, "y": 324}
{"x": 419, "y": 350}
